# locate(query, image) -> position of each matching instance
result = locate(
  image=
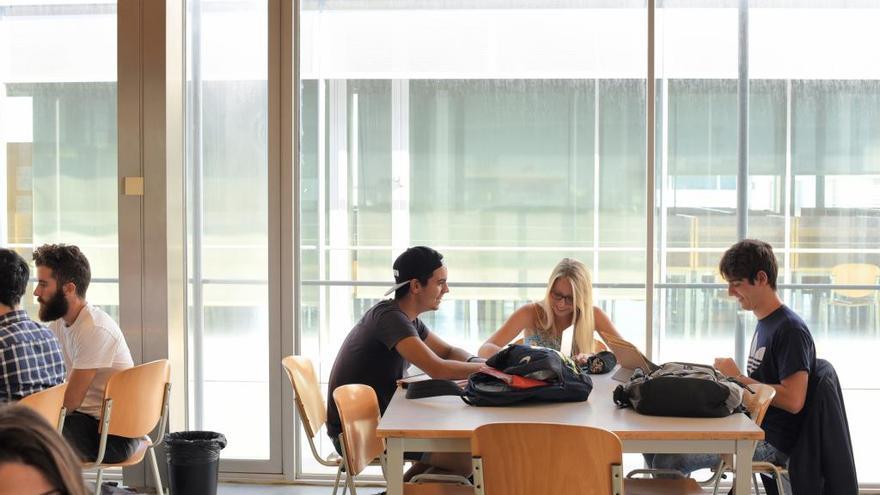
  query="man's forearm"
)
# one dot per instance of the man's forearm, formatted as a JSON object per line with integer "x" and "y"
{"x": 785, "y": 399}
{"x": 451, "y": 369}
{"x": 458, "y": 354}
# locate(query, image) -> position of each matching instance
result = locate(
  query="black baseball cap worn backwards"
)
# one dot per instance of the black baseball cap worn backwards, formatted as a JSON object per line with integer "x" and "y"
{"x": 416, "y": 262}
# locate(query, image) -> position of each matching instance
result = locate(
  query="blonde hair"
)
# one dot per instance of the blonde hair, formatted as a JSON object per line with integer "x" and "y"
{"x": 582, "y": 299}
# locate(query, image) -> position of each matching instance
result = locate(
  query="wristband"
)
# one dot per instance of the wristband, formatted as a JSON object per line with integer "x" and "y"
{"x": 471, "y": 359}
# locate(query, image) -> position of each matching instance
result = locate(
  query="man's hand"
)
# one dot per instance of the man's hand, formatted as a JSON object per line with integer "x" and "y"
{"x": 728, "y": 367}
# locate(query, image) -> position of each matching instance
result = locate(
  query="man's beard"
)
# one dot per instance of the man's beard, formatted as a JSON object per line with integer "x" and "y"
{"x": 54, "y": 308}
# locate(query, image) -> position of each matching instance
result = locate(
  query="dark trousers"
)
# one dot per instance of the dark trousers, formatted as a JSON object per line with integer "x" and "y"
{"x": 81, "y": 432}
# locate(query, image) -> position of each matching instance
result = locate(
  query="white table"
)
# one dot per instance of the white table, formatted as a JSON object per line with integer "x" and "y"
{"x": 445, "y": 424}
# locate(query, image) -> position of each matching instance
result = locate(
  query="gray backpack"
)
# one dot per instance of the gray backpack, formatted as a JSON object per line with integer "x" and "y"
{"x": 681, "y": 389}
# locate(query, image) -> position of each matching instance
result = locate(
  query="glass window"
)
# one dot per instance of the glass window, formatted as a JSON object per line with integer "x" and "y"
{"x": 523, "y": 140}
{"x": 812, "y": 172}
{"x": 227, "y": 191}
{"x": 506, "y": 150}
{"x": 58, "y": 179}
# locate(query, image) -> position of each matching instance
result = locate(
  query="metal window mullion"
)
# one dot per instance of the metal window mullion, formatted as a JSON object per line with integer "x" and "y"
{"x": 279, "y": 224}
{"x": 291, "y": 326}
{"x": 742, "y": 190}
{"x": 649, "y": 187}
{"x": 4, "y": 174}
{"x": 597, "y": 160}
{"x": 196, "y": 148}
{"x": 400, "y": 167}
{"x": 323, "y": 332}
{"x": 663, "y": 235}
{"x": 787, "y": 186}
{"x": 58, "y": 190}
{"x": 338, "y": 214}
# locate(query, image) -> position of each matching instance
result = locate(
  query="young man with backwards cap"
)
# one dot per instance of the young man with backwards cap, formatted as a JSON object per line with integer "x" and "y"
{"x": 390, "y": 336}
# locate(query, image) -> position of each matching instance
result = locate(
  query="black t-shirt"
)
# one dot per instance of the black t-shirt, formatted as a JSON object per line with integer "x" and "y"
{"x": 782, "y": 346}
{"x": 368, "y": 356}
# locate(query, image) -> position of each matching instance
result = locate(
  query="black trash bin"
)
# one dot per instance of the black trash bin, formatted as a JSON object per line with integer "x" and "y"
{"x": 193, "y": 461}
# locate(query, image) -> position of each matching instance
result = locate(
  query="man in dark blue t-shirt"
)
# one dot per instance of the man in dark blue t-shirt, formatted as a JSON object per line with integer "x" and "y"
{"x": 782, "y": 355}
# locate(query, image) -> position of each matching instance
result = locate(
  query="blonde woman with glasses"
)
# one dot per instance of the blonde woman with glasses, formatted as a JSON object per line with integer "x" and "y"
{"x": 567, "y": 303}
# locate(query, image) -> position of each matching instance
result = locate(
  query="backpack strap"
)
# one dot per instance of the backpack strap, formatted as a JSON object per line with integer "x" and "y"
{"x": 432, "y": 388}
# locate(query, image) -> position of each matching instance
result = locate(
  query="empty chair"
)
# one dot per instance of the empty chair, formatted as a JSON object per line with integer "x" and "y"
{"x": 359, "y": 414}
{"x": 49, "y": 403}
{"x": 311, "y": 407}
{"x": 756, "y": 399}
{"x": 855, "y": 274}
{"x": 135, "y": 401}
{"x": 529, "y": 458}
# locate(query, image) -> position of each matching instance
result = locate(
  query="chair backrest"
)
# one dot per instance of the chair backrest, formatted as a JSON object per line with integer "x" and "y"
{"x": 359, "y": 414}
{"x": 306, "y": 392}
{"x": 48, "y": 403}
{"x": 758, "y": 402}
{"x": 527, "y": 458}
{"x": 138, "y": 395}
{"x": 855, "y": 274}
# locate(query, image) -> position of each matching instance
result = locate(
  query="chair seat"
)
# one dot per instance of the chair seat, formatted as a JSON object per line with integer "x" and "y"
{"x": 647, "y": 486}
{"x": 138, "y": 455}
{"x": 437, "y": 489}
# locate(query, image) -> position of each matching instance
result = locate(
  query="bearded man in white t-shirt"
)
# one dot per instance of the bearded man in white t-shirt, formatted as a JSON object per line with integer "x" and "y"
{"x": 91, "y": 342}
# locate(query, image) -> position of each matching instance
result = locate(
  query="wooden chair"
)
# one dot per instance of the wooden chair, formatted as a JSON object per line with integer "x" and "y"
{"x": 855, "y": 274}
{"x": 135, "y": 401}
{"x": 756, "y": 401}
{"x": 359, "y": 413}
{"x": 528, "y": 458}
{"x": 49, "y": 403}
{"x": 311, "y": 408}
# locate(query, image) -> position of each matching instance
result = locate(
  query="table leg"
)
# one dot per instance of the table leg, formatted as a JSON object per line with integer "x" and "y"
{"x": 394, "y": 465}
{"x": 745, "y": 449}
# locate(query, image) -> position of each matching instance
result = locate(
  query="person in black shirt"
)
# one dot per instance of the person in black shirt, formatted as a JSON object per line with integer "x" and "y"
{"x": 782, "y": 355}
{"x": 390, "y": 336}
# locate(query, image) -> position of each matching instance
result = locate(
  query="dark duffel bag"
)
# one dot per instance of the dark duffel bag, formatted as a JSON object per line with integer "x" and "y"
{"x": 518, "y": 373}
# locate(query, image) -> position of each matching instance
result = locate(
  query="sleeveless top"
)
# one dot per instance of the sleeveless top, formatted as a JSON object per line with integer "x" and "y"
{"x": 544, "y": 339}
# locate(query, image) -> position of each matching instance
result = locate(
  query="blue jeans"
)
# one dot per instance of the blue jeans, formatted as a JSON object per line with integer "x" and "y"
{"x": 688, "y": 463}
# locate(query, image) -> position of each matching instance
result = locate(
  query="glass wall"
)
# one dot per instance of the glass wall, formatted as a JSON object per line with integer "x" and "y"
{"x": 517, "y": 144}
{"x": 508, "y": 136}
{"x": 58, "y": 180}
{"x": 227, "y": 231}
{"x": 813, "y": 165}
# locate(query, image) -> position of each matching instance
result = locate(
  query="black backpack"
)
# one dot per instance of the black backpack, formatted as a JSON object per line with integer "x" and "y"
{"x": 681, "y": 389}
{"x": 527, "y": 368}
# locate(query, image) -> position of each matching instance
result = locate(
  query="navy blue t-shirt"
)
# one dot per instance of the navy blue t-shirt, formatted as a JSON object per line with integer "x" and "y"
{"x": 368, "y": 356}
{"x": 782, "y": 346}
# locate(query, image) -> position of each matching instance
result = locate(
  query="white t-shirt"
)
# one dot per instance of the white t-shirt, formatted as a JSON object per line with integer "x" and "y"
{"x": 94, "y": 341}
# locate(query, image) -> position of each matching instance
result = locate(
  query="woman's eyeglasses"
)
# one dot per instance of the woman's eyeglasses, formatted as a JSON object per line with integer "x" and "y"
{"x": 561, "y": 298}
